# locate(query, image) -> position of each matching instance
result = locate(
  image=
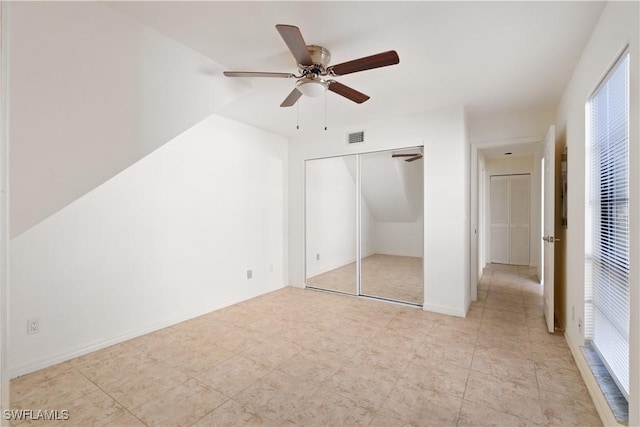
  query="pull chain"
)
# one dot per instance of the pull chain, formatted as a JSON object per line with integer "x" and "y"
{"x": 298, "y": 115}
{"x": 325, "y": 109}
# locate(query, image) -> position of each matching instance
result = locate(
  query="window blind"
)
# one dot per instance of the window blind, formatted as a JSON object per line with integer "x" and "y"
{"x": 607, "y": 257}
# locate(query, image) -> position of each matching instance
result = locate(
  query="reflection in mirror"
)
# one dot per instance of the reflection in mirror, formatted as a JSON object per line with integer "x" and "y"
{"x": 391, "y": 210}
{"x": 331, "y": 234}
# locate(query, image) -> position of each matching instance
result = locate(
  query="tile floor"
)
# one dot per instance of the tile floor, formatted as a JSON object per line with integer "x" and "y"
{"x": 303, "y": 357}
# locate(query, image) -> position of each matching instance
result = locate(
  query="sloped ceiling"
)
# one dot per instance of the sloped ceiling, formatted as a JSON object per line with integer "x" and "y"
{"x": 486, "y": 56}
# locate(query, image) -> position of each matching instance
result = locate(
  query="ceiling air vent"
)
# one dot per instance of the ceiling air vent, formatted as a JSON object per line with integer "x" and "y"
{"x": 355, "y": 137}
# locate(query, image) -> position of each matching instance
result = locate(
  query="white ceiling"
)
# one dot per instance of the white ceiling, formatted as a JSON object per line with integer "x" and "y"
{"x": 486, "y": 56}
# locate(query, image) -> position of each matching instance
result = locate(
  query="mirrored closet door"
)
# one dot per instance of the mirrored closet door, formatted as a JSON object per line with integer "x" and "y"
{"x": 331, "y": 223}
{"x": 391, "y": 194}
{"x": 364, "y": 225}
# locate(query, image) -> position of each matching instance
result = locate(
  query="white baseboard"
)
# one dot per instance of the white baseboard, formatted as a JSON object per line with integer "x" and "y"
{"x": 599, "y": 401}
{"x": 445, "y": 310}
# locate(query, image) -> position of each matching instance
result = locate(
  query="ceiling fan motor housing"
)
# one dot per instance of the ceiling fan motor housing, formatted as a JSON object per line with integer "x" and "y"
{"x": 320, "y": 58}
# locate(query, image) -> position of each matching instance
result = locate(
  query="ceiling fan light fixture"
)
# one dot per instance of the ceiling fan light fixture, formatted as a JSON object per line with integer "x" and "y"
{"x": 312, "y": 87}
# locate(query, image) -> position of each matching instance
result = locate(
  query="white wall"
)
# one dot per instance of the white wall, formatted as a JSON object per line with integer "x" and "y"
{"x": 617, "y": 28}
{"x": 446, "y": 192}
{"x": 399, "y": 238}
{"x": 392, "y": 189}
{"x": 93, "y": 91}
{"x": 331, "y": 214}
{"x": 510, "y": 166}
{"x": 510, "y": 124}
{"x": 169, "y": 238}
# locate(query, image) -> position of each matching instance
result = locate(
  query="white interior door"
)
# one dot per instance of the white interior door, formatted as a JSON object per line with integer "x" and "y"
{"x": 549, "y": 224}
{"x": 519, "y": 186}
{"x": 499, "y": 217}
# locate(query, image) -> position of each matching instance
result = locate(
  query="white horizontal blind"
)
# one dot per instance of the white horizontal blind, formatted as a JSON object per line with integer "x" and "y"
{"x": 607, "y": 260}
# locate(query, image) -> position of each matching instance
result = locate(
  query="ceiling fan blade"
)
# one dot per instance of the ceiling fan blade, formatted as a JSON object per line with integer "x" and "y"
{"x": 257, "y": 74}
{"x": 296, "y": 44}
{"x": 405, "y": 155}
{"x": 292, "y": 98}
{"x": 367, "y": 63}
{"x": 419, "y": 156}
{"x": 347, "y": 92}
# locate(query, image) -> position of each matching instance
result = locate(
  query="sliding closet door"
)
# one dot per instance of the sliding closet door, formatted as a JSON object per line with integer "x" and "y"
{"x": 391, "y": 224}
{"x": 331, "y": 224}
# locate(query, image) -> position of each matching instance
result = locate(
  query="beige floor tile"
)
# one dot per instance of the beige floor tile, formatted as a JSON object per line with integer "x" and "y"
{"x": 125, "y": 420}
{"x": 303, "y": 334}
{"x": 553, "y": 357}
{"x": 167, "y": 338}
{"x": 272, "y": 352}
{"x": 385, "y": 420}
{"x": 421, "y": 407}
{"x": 369, "y": 387}
{"x": 520, "y": 347}
{"x": 236, "y": 315}
{"x": 563, "y": 410}
{"x": 232, "y": 413}
{"x": 502, "y": 315}
{"x": 277, "y": 395}
{"x": 145, "y": 385}
{"x": 562, "y": 381}
{"x": 455, "y": 352}
{"x": 182, "y": 405}
{"x": 234, "y": 374}
{"x": 312, "y": 366}
{"x": 476, "y": 415}
{"x": 383, "y": 359}
{"x": 51, "y": 393}
{"x": 95, "y": 408}
{"x": 25, "y": 384}
{"x": 510, "y": 397}
{"x": 455, "y": 332}
{"x": 504, "y": 366}
{"x": 337, "y": 346}
{"x": 240, "y": 339}
{"x": 440, "y": 376}
{"x": 108, "y": 370}
{"x": 329, "y": 409}
{"x": 542, "y": 338}
{"x": 105, "y": 353}
{"x": 198, "y": 359}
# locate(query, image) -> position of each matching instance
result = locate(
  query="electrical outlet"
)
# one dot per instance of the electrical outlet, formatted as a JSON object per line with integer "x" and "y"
{"x": 317, "y": 257}
{"x": 33, "y": 326}
{"x": 249, "y": 274}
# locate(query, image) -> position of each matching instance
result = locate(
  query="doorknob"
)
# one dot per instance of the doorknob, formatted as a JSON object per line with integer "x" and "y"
{"x": 550, "y": 239}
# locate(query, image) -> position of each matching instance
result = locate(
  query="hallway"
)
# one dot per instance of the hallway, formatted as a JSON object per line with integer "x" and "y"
{"x": 303, "y": 357}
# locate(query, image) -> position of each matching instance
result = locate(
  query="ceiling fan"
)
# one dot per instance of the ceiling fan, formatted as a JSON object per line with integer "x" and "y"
{"x": 313, "y": 68}
{"x": 412, "y": 156}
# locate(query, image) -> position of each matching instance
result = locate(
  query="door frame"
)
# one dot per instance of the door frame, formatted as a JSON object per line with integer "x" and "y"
{"x": 4, "y": 203}
{"x": 478, "y": 189}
